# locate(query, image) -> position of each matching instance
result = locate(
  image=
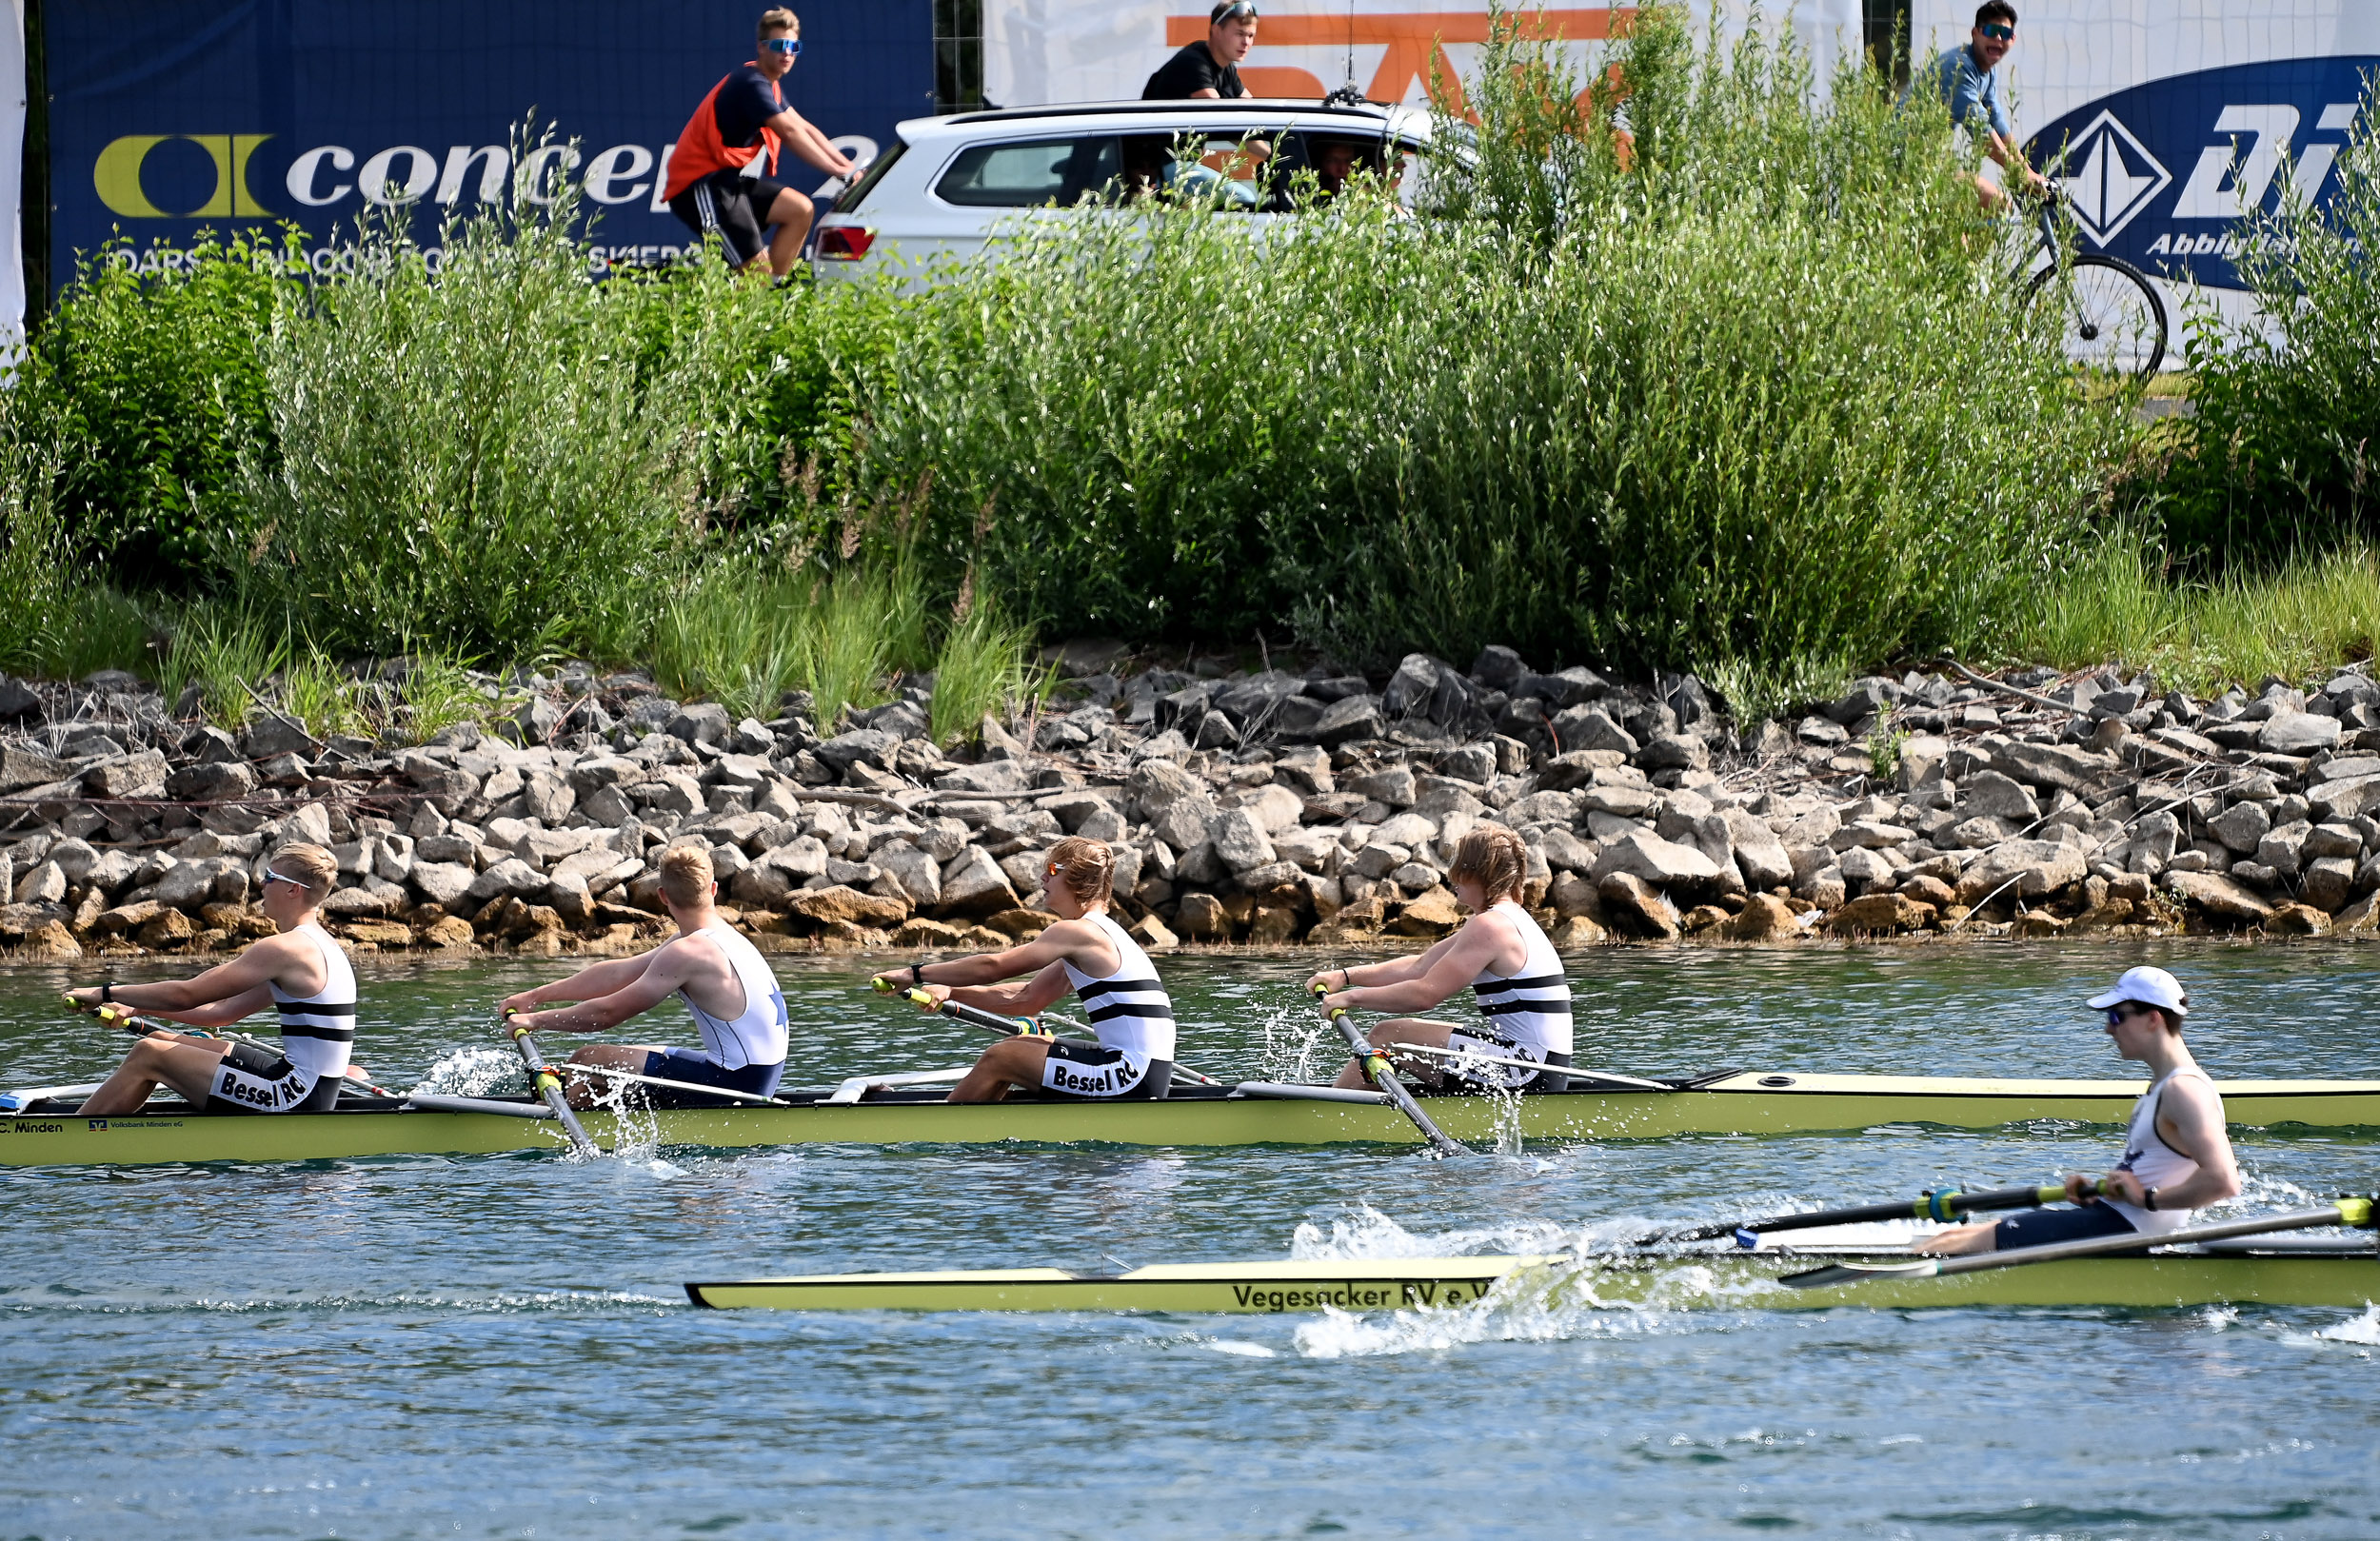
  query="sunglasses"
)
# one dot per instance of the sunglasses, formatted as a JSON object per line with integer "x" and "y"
{"x": 791, "y": 46}
{"x": 272, "y": 876}
{"x": 2117, "y": 1014}
{"x": 1999, "y": 29}
{"x": 1232, "y": 12}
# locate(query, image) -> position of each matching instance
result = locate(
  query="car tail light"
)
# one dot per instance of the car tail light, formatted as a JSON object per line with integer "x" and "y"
{"x": 844, "y": 243}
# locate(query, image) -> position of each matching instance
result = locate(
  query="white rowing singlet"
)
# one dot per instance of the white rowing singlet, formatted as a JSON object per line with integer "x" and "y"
{"x": 758, "y": 1036}
{"x": 318, "y": 1031}
{"x": 2156, "y": 1163}
{"x": 1532, "y": 1006}
{"x": 1129, "y": 1009}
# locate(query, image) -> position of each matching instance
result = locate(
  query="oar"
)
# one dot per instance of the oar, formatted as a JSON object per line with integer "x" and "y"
{"x": 1598, "y": 1079}
{"x": 549, "y": 1087}
{"x": 1383, "y": 1074}
{"x": 2349, "y": 1212}
{"x": 1009, "y": 1027}
{"x": 1942, "y": 1207}
{"x": 140, "y": 1027}
{"x": 584, "y": 1071}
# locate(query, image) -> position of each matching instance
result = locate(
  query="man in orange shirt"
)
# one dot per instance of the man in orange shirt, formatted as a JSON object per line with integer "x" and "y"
{"x": 744, "y": 118}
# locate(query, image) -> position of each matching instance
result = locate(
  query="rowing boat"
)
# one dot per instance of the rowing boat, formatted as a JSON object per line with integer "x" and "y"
{"x": 2265, "y": 1271}
{"x": 46, "y": 1132}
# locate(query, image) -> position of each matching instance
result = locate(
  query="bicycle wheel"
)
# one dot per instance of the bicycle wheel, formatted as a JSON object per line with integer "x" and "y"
{"x": 2113, "y": 318}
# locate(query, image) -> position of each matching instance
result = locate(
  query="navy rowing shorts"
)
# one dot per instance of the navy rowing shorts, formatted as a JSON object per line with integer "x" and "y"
{"x": 2040, "y": 1227}
{"x": 696, "y": 1066}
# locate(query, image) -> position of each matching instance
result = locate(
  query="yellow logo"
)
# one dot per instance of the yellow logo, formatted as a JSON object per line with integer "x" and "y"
{"x": 117, "y": 176}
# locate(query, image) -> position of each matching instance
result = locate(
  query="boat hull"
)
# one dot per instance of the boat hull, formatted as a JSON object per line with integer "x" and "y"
{"x": 1740, "y": 1104}
{"x": 2344, "y": 1279}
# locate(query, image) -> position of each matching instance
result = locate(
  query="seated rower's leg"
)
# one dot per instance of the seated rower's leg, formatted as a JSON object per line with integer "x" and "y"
{"x": 585, "y": 1091}
{"x": 1016, "y": 1062}
{"x": 187, "y": 1064}
{"x": 1403, "y": 1030}
{"x": 1952, "y": 1241}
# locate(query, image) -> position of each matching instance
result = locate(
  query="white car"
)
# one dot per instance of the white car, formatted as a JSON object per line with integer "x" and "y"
{"x": 946, "y": 184}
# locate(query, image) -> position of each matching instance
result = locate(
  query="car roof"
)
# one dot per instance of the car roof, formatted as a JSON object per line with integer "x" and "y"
{"x": 1367, "y": 114}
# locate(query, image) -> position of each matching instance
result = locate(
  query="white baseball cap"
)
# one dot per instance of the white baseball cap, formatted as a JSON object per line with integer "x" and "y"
{"x": 2150, "y": 987}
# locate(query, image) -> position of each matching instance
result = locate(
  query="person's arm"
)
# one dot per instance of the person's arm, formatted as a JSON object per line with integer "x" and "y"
{"x": 249, "y": 977}
{"x": 1388, "y": 971}
{"x": 1440, "y": 974}
{"x": 224, "y": 1013}
{"x": 1026, "y": 998}
{"x": 588, "y": 984}
{"x": 954, "y": 979}
{"x": 796, "y": 134}
{"x": 659, "y": 973}
{"x": 2000, "y": 140}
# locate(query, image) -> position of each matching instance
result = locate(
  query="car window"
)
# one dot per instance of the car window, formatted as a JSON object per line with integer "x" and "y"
{"x": 1332, "y": 157}
{"x": 1031, "y": 173}
{"x": 856, "y": 194}
{"x": 1231, "y": 169}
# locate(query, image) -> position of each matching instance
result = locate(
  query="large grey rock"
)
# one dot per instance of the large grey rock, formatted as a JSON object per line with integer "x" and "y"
{"x": 993, "y": 776}
{"x": 1155, "y": 786}
{"x": 1557, "y": 808}
{"x": 1869, "y": 834}
{"x": 2279, "y": 848}
{"x": 1184, "y": 824}
{"x": 273, "y": 735}
{"x": 1347, "y": 719}
{"x": 872, "y": 746}
{"x": 1636, "y": 905}
{"x": 1864, "y": 871}
{"x": 1662, "y": 863}
{"x": 141, "y": 774}
{"x": 2219, "y": 895}
{"x": 189, "y": 884}
{"x": 1591, "y": 727}
{"x": 2345, "y": 797}
{"x": 593, "y": 773}
{"x": 510, "y": 877}
{"x": 1573, "y": 686}
{"x": 2061, "y": 766}
{"x": 704, "y": 722}
{"x": 974, "y": 884}
{"x": 442, "y": 882}
{"x": 2329, "y": 883}
{"x": 1566, "y": 852}
{"x": 1239, "y": 840}
{"x": 1991, "y": 795}
{"x": 1394, "y": 786}
{"x": 1675, "y": 751}
{"x": 42, "y": 884}
{"x": 2322, "y": 841}
{"x": 211, "y": 782}
{"x": 1759, "y": 855}
{"x": 2242, "y": 826}
{"x": 2037, "y": 868}
{"x": 920, "y": 876}
{"x": 547, "y": 795}
{"x": 19, "y": 700}
{"x": 2297, "y": 732}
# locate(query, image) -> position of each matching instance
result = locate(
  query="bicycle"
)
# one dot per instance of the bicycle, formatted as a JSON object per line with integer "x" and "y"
{"x": 2114, "y": 319}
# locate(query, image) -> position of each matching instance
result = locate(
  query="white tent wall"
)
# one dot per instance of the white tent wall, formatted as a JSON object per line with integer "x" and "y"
{"x": 11, "y": 177}
{"x": 1040, "y": 52}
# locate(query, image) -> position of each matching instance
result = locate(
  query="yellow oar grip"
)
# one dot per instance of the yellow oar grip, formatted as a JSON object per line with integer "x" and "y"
{"x": 2356, "y": 1211}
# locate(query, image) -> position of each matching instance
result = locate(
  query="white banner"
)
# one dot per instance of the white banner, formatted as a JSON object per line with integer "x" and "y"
{"x": 1040, "y": 52}
{"x": 12, "y": 178}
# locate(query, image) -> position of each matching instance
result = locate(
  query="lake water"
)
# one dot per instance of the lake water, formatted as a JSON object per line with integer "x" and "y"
{"x": 499, "y": 1346}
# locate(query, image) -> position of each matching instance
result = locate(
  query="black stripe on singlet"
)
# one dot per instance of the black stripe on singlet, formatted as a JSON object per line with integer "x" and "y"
{"x": 1543, "y": 982}
{"x": 307, "y": 1030}
{"x": 1507, "y": 1008}
{"x": 1102, "y": 987}
{"x": 1128, "y": 1008}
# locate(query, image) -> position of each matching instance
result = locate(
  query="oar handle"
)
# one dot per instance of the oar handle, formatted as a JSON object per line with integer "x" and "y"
{"x": 956, "y": 1011}
{"x": 546, "y": 1084}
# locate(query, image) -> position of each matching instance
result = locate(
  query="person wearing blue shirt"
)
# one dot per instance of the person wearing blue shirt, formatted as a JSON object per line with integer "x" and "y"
{"x": 1964, "y": 77}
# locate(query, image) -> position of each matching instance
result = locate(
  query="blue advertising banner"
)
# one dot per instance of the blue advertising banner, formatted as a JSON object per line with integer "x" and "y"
{"x": 172, "y": 116}
{"x": 2160, "y": 173}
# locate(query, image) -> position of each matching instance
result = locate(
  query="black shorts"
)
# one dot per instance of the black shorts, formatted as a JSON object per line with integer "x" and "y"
{"x": 2041, "y": 1226}
{"x": 702, "y": 1070}
{"x": 733, "y": 205}
{"x": 251, "y": 1079}
{"x": 1094, "y": 1072}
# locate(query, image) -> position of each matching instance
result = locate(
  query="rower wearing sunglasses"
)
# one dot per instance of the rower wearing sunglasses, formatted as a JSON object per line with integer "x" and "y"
{"x": 2178, "y": 1157}
{"x": 743, "y": 119}
{"x": 1964, "y": 78}
{"x": 1086, "y": 951}
{"x": 300, "y": 973}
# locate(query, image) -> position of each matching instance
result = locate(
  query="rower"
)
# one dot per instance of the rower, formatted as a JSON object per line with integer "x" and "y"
{"x": 299, "y": 970}
{"x": 716, "y": 971}
{"x": 2178, "y": 1157}
{"x": 1088, "y": 952}
{"x": 1501, "y": 953}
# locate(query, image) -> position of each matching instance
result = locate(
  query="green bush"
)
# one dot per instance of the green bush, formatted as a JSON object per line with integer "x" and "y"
{"x": 1759, "y": 401}
{"x": 2283, "y": 455}
{"x": 149, "y": 385}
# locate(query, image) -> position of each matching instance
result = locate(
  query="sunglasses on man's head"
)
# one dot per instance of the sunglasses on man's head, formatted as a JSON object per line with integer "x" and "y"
{"x": 1999, "y": 30}
{"x": 790, "y": 46}
{"x": 1233, "y": 12}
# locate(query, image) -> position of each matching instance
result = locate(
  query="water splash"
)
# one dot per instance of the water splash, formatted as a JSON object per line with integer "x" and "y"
{"x": 475, "y": 1072}
{"x": 1240, "y": 1349}
{"x": 2363, "y": 1330}
{"x": 1554, "y": 1303}
{"x": 1292, "y": 1049}
{"x": 1365, "y": 1232}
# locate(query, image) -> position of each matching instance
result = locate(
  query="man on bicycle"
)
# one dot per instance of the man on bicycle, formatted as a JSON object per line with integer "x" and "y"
{"x": 1964, "y": 78}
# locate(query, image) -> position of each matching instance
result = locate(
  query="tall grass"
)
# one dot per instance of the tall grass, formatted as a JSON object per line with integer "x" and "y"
{"x": 981, "y": 671}
{"x": 1753, "y": 399}
{"x": 229, "y": 655}
{"x": 2119, "y": 603}
{"x": 2284, "y": 451}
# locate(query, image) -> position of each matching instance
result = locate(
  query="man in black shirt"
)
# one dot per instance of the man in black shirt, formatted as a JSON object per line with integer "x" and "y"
{"x": 1210, "y": 68}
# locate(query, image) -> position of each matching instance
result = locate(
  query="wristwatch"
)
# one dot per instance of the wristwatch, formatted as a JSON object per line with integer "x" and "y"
{"x": 2149, "y": 1197}
{"x": 107, "y": 993}
{"x": 916, "y": 974}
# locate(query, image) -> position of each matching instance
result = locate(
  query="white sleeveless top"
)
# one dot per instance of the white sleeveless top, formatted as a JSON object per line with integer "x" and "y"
{"x": 1532, "y": 1006}
{"x": 318, "y": 1031}
{"x": 2156, "y": 1163}
{"x": 758, "y": 1036}
{"x": 1128, "y": 1009}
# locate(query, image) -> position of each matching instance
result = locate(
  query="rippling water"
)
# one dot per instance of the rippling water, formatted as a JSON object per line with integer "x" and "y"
{"x": 498, "y": 1346}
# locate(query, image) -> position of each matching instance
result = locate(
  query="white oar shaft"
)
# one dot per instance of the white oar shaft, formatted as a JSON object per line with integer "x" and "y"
{"x": 2136, "y": 1241}
{"x": 581, "y": 1072}
{"x": 1600, "y": 1078}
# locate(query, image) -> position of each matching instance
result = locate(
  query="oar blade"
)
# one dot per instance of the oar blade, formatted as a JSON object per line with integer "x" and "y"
{"x": 1837, "y": 1273}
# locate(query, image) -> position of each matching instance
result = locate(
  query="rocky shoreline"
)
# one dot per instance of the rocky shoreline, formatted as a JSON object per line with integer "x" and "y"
{"x": 1246, "y": 807}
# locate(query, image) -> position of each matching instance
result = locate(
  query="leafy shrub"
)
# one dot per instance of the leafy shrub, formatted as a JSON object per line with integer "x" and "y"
{"x": 1752, "y": 396}
{"x": 2284, "y": 452}
{"x": 149, "y": 385}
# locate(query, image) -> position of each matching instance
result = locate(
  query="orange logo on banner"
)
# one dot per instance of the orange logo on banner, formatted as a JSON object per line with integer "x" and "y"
{"x": 1417, "y": 45}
